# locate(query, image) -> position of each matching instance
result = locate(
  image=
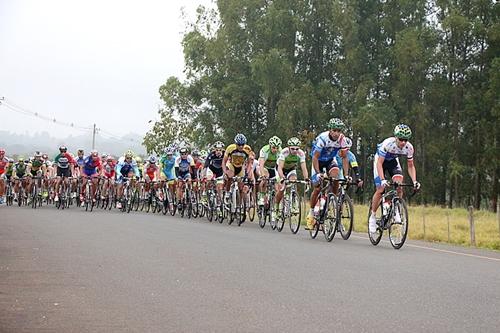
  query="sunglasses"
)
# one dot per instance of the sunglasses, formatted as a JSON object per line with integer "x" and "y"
{"x": 294, "y": 148}
{"x": 403, "y": 140}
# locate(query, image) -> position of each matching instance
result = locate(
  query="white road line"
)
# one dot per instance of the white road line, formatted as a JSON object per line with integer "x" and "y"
{"x": 439, "y": 250}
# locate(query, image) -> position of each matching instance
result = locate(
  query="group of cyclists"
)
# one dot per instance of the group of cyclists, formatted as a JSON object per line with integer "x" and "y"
{"x": 178, "y": 167}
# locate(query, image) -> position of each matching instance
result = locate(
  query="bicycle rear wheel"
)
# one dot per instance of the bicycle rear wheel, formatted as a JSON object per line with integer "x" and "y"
{"x": 398, "y": 228}
{"x": 345, "y": 217}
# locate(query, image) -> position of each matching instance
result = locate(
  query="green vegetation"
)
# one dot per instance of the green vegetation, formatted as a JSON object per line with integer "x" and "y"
{"x": 436, "y": 225}
{"x": 283, "y": 67}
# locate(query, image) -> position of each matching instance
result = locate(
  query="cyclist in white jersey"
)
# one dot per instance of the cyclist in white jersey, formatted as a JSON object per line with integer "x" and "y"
{"x": 386, "y": 160}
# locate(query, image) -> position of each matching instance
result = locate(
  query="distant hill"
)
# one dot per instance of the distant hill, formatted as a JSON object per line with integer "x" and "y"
{"x": 26, "y": 145}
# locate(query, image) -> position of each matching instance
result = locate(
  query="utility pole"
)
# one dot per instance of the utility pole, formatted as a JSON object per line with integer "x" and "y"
{"x": 93, "y": 138}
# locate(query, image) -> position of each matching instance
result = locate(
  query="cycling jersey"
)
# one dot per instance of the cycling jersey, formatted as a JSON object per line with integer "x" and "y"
{"x": 151, "y": 170}
{"x": 123, "y": 168}
{"x": 8, "y": 170}
{"x": 291, "y": 160}
{"x": 329, "y": 148}
{"x": 21, "y": 169}
{"x": 90, "y": 165}
{"x": 237, "y": 157}
{"x": 183, "y": 166}
{"x": 167, "y": 166}
{"x": 3, "y": 164}
{"x": 213, "y": 161}
{"x": 80, "y": 161}
{"x": 36, "y": 164}
{"x": 109, "y": 169}
{"x": 269, "y": 157}
{"x": 63, "y": 160}
{"x": 389, "y": 149}
{"x": 352, "y": 162}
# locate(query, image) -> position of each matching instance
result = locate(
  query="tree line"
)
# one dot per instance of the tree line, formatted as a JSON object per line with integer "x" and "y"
{"x": 284, "y": 67}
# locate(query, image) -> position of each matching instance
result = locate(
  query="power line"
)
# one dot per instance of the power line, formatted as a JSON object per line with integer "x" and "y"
{"x": 13, "y": 107}
{"x": 107, "y": 135}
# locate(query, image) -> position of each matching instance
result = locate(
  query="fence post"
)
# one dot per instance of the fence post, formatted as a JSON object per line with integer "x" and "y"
{"x": 472, "y": 229}
{"x": 423, "y": 219}
{"x": 448, "y": 221}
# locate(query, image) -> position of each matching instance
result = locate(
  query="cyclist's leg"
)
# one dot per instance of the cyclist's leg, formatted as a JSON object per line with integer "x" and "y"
{"x": 263, "y": 186}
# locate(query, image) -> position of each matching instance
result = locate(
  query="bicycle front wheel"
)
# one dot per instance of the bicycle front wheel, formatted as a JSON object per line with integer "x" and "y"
{"x": 398, "y": 228}
{"x": 295, "y": 212}
{"x": 345, "y": 217}
{"x": 330, "y": 223}
{"x": 251, "y": 206}
{"x": 315, "y": 230}
{"x": 376, "y": 236}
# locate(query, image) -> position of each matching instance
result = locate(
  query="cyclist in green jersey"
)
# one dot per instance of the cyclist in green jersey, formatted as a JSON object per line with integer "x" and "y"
{"x": 20, "y": 171}
{"x": 288, "y": 160}
{"x": 267, "y": 165}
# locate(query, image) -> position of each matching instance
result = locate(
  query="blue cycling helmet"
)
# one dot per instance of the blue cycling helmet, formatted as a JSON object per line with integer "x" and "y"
{"x": 240, "y": 139}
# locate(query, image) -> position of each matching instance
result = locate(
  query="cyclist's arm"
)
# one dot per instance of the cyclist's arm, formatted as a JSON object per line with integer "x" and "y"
{"x": 224, "y": 161}
{"x": 280, "y": 168}
{"x": 315, "y": 161}
{"x": 380, "y": 168}
{"x": 303, "y": 166}
{"x": 412, "y": 171}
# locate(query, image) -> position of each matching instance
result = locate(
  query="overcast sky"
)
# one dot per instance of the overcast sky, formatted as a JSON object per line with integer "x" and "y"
{"x": 88, "y": 61}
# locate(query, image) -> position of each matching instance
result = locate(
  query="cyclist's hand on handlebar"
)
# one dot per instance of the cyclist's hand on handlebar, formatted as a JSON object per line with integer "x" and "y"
{"x": 359, "y": 182}
{"x": 416, "y": 186}
{"x": 316, "y": 178}
{"x": 384, "y": 183}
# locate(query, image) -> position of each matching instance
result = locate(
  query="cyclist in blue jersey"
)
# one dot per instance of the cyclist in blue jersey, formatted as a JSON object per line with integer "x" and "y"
{"x": 126, "y": 167}
{"x": 353, "y": 163}
{"x": 167, "y": 163}
{"x": 324, "y": 149}
{"x": 184, "y": 166}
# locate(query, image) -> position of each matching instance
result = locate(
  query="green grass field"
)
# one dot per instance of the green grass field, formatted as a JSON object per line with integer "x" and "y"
{"x": 436, "y": 225}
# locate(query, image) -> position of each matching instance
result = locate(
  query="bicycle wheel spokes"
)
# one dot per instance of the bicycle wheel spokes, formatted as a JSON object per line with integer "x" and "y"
{"x": 345, "y": 217}
{"x": 398, "y": 228}
{"x": 294, "y": 213}
{"x": 330, "y": 223}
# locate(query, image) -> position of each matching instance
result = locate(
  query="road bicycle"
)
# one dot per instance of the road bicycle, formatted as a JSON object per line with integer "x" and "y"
{"x": 291, "y": 205}
{"x": 325, "y": 211}
{"x": 234, "y": 205}
{"x": 392, "y": 216}
{"x": 266, "y": 212}
{"x": 345, "y": 209}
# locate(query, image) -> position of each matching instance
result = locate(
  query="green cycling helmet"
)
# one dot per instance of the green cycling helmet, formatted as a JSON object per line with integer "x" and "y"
{"x": 336, "y": 123}
{"x": 402, "y": 131}
{"x": 275, "y": 141}
{"x": 294, "y": 142}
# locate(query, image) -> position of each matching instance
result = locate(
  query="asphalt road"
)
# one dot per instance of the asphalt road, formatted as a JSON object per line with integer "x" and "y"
{"x": 73, "y": 271}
